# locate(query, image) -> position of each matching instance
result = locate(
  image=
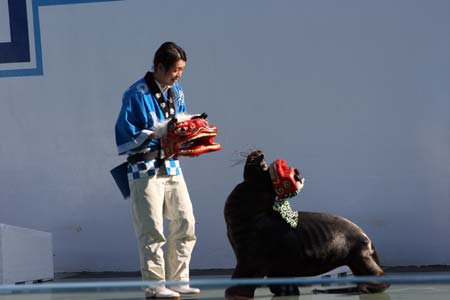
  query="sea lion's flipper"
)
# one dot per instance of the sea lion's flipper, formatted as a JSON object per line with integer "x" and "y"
{"x": 284, "y": 290}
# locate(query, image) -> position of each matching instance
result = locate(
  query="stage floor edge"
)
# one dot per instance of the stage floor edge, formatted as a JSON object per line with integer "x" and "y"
{"x": 409, "y": 291}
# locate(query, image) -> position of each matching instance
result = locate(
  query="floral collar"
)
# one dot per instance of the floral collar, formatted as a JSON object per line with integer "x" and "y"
{"x": 283, "y": 207}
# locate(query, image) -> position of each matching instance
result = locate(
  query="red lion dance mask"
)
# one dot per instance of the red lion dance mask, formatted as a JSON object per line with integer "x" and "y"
{"x": 286, "y": 180}
{"x": 187, "y": 135}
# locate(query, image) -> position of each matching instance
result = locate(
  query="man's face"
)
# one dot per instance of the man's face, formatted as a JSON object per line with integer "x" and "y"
{"x": 169, "y": 76}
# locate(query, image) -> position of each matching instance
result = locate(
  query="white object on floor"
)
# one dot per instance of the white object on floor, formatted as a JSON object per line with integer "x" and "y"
{"x": 338, "y": 272}
{"x": 25, "y": 255}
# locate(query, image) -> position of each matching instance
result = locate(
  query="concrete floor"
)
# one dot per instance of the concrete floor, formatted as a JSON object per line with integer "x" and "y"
{"x": 395, "y": 292}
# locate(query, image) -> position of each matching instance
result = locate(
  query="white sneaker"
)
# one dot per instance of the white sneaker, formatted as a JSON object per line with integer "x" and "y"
{"x": 160, "y": 292}
{"x": 184, "y": 289}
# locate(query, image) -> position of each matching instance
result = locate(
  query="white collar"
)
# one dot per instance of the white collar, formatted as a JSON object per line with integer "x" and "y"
{"x": 164, "y": 91}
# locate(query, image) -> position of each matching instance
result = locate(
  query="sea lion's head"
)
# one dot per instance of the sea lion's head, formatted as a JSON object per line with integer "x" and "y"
{"x": 285, "y": 180}
{"x": 256, "y": 168}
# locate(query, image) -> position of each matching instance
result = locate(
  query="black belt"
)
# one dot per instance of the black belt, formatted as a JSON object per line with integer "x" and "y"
{"x": 149, "y": 155}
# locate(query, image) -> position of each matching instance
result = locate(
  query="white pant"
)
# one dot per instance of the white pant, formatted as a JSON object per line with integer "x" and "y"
{"x": 153, "y": 198}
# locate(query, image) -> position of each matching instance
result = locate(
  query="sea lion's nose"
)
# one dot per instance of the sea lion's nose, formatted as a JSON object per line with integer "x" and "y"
{"x": 298, "y": 176}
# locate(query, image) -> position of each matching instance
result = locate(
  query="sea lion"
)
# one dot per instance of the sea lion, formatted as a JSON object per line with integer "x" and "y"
{"x": 266, "y": 244}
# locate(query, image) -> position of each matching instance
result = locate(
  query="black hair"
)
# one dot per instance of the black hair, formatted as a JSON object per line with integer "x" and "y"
{"x": 168, "y": 54}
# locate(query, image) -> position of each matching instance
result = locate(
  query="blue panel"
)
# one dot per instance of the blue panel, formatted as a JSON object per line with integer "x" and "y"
{"x": 18, "y": 50}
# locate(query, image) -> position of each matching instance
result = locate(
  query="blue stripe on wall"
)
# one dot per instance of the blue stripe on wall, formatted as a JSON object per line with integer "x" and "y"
{"x": 18, "y": 50}
{"x": 62, "y": 2}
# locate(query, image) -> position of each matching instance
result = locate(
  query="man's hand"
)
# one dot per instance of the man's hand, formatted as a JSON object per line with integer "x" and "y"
{"x": 202, "y": 116}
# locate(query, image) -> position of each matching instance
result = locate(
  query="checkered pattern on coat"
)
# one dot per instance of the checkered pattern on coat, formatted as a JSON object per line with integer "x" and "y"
{"x": 173, "y": 166}
{"x": 149, "y": 168}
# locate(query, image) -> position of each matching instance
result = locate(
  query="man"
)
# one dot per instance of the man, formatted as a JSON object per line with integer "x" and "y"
{"x": 157, "y": 185}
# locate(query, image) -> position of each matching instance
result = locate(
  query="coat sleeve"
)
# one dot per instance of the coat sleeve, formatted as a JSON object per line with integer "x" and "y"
{"x": 131, "y": 128}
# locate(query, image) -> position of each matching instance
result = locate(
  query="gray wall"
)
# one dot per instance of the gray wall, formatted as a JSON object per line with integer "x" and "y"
{"x": 353, "y": 93}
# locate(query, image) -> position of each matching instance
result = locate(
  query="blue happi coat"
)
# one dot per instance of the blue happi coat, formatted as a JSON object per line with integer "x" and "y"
{"x": 139, "y": 114}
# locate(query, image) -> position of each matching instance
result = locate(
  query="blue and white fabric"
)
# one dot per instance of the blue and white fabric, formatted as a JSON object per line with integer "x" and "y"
{"x": 149, "y": 168}
{"x": 142, "y": 169}
{"x": 172, "y": 166}
{"x": 139, "y": 114}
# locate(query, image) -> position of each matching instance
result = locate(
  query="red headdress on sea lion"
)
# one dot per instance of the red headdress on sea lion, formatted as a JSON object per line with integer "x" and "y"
{"x": 286, "y": 180}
